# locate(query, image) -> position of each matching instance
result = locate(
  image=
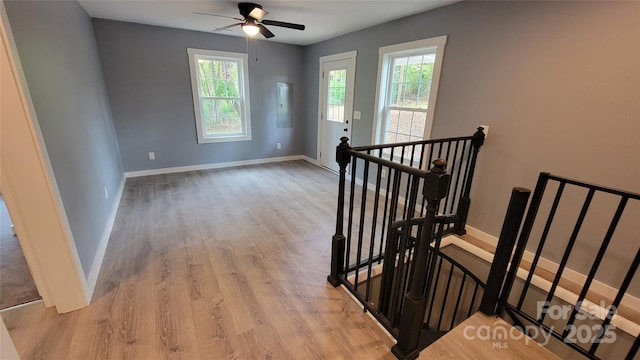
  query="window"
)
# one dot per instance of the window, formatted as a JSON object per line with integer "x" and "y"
{"x": 220, "y": 86}
{"x": 407, "y": 87}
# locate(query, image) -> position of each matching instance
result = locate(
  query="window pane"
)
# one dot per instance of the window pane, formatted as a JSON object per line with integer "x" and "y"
{"x": 424, "y": 89}
{"x": 207, "y": 83}
{"x": 221, "y": 117}
{"x": 218, "y": 78}
{"x": 405, "y": 125}
{"x": 404, "y": 122}
{"x": 411, "y": 81}
{"x": 394, "y": 117}
{"x": 418, "y": 123}
{"x": 402, "y": 138}
{"x": 390, "y": 137}
{"x": 336, "y": 95}
{"x": 395, "y": 97}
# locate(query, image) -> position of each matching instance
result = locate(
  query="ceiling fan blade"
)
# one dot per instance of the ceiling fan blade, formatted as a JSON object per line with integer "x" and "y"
{"x": 224, "y": 16}
{"x": 226, "y": 27}
{"x": 257, "y": 13}
{"x": 283, "y": 24}
{"x": 265, "y": 32}
{"x": 251, "y": 10}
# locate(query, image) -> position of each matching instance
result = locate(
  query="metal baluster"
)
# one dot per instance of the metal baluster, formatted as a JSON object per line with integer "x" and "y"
{"x": 446, "y": 295}
{"x": 567, "y": 252}
{"x": 350, "y": 221}
{"x": 434, "y": 291}
{"x": 374, "y": 223}
{"x": 363, "y": 209}
{"x": 616, "y": 302}
{"x": 596, "y": 264}
{"x": 473, "y": 300}
{"x": 543, "y": 238}
{"x": 455, "y": 184}
{"x": 455, "y": 310}
{"x": 465, "y": 201}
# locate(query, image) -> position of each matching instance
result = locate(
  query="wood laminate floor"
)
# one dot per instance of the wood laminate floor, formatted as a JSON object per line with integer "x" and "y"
{"x": 218, "y": 264}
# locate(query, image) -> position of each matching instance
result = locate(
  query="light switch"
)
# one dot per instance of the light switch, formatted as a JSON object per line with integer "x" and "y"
{"x": 356, "y": 115}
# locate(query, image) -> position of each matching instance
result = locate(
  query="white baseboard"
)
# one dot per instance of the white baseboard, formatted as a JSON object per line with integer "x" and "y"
{"x": 628, "y": 301}
{"x": 177, "y": 169}
{"x": 310, "y": 160}
{"x": 481, "y": 235}
{"x": 92, "y": 279}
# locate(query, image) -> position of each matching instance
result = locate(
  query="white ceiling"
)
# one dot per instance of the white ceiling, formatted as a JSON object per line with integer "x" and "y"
{"x": 323, "y": 19}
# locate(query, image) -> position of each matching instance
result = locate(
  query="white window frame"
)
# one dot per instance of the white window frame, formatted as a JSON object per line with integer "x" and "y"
{"x": 243, "y": 92}
{"x": 386, "y": 55}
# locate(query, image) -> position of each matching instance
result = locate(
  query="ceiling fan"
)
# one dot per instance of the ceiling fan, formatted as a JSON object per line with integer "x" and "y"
{"x": 252, "y": 24}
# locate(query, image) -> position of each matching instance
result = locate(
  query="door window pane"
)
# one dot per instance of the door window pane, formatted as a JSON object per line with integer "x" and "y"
{"x": 336, "y": 95}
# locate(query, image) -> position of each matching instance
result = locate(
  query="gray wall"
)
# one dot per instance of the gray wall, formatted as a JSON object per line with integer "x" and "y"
{"x": 147, "y": 74}
{"x": 57, "y": 49}
{"x": 558, "y": 83}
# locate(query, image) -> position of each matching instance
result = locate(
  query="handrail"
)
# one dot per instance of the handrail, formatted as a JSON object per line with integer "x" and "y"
{"x": 410, "y": 143}
{"x": 596, "y": 187}
{"x": 384, "y": 162}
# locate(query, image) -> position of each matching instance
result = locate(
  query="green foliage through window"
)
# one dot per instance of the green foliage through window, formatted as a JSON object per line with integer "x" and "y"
{"x": 219, "y": 85}
{"x": 411, "y": 82}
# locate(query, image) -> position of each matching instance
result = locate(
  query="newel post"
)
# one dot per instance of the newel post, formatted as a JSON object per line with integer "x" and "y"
{"x": 436, "y": 186}
{"x": 338, "y": 241}
{"x": 506, "y": 243}
{"x": 465, "y": 201}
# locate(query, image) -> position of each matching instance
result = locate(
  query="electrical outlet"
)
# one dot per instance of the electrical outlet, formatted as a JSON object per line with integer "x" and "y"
{"x": 106, "y": 193}
{"x": 485, "y": 129}
{"x": 279, "y": 146}
{"x": 152, "y": 155}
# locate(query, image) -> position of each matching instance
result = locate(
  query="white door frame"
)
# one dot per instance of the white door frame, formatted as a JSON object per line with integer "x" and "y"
{"x": 349, "y": 55}
{"x": 30, "y": 191}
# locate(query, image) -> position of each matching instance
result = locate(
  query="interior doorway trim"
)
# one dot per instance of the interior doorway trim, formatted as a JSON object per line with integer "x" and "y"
{"x": 30, "y": 190}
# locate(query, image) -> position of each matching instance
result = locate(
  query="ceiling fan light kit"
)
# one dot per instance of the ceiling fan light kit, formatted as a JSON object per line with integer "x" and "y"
{"x": 250, "y": 29}
{"x": 252, "y": 24}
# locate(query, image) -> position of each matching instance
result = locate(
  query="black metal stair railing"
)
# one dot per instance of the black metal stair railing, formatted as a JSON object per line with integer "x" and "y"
{"x": 391, "y": 216}
{"x": 460, "y": 154}
{"x": 451, "y": 293}
{"x": 565, "y": 213}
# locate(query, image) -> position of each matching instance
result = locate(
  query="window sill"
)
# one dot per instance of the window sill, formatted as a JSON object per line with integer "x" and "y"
{"x": 209, "y": 140}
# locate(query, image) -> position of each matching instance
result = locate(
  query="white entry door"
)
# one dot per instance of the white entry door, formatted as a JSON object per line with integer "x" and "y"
{"x": 337, "y": 77}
